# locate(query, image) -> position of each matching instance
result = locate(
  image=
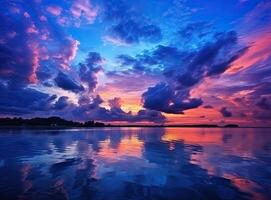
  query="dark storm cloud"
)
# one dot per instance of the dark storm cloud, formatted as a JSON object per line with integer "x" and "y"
{"x": 225, "y": 112}
{"x": 65, "y": 82}
{"x": 92, "y": 109}
{"x": 89, "y": 69}
{"x": 212, "y": 59}
{"x": 184, "y": 70}
{"x": 163, "y": 98}
{"x": 19, "y": 101}
{"x": 128, "y": 26}
{"x": 27, "y": 101}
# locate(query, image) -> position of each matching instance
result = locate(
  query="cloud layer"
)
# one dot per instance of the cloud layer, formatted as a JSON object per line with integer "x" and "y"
{"x": 146, "y": 61}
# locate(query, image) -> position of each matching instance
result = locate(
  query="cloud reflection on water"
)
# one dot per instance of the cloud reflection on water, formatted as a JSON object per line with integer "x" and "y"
{"x": 136, "y": 163}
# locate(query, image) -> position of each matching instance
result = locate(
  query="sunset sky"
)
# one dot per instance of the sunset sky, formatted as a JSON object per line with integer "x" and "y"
{"x": 137, "y": 62}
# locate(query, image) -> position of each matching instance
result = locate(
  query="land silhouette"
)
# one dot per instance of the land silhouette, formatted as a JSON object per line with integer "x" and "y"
{"x": 47, "y": 122}
{"x": 57, "y": 122}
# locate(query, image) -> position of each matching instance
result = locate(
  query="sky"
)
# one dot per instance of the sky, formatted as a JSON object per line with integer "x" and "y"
{"x": 137, "y": 62}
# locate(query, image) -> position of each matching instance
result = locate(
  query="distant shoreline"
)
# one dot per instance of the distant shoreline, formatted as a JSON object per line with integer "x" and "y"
{"x": 121, "y": 126}
{"x": 55, "y": 123}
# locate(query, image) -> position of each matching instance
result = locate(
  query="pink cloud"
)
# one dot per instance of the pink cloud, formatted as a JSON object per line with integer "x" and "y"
{"x": 43, "y": 18}
{"x": 34, "y": 62}
{"x": 83, "y": 8}
{"x": 115, "y": 41}
{"x": 70, "y": 53}
{"x": 62, "y": 21}
{"x": 67, "y": 53}
{"x": 54, "y": 10}
{"x": 26, "y": 15}
{"x": 38, "y": 54}
{"x": 44, "y": 34}
{"x": 258, "y": 52}
{"x": 44, "y": 37}
{"x": 255, "y": 33}
{"x": 32, "y": 29}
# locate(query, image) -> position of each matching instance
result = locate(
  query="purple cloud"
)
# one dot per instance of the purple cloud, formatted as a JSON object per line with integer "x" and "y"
{"x": 90, "y": 109}
{"x": 65, "y": 82}
{"x": 225, "y": 112}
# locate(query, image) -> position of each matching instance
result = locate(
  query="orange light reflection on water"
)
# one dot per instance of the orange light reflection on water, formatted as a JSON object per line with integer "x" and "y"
{"x": 217, "y": 143}
{"x": 128, "y": 146}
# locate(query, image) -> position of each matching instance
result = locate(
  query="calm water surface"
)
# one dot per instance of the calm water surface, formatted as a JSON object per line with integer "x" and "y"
{"x": 135, "y": 163}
